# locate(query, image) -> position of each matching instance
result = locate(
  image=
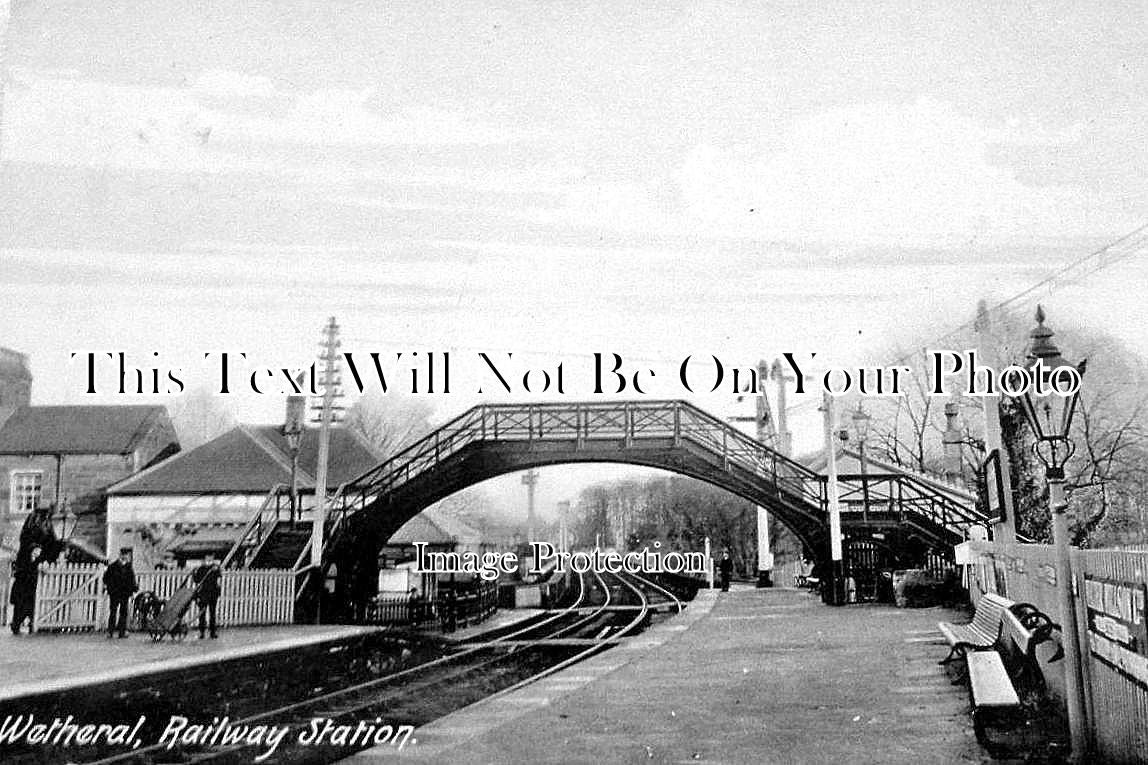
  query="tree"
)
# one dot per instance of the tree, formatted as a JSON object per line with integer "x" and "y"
{"x": 1029, "y": 490}
{"x": 1111, "y": 437}
{"x": 1104, "y": 479}
{"x": 592, "y": 513}
{"x": 906, "y": 428}
{"x": 390, "y": 422}
{"x": 474, "y": 507}
{"x": 1103, "y": 483}
{"x": 199, "y": 416}
{"x": 675, "y": 511}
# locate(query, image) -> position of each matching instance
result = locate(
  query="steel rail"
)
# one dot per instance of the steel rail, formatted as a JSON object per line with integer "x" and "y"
{"x": 582, "y": 655}
{"x": 676, "y": 600}
{"x": 206, "y": 756}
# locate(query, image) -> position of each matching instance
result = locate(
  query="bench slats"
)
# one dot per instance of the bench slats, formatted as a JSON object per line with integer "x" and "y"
{"x": 1017, "y": 632}
{"x": 984, "y": 629}
{"x": 990, "y": 681}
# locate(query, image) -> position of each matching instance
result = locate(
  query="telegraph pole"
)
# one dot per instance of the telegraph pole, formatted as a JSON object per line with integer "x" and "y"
{"x": 834, "y": 594}
{"x": 330, "y": 384}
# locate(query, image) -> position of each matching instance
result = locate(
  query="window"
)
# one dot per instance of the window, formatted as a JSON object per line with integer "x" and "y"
{"x": 26, "y": 490}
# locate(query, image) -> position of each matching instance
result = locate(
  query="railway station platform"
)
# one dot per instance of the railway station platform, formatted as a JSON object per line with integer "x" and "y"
{"x": 749, "y": 676}
{"x": 47, "y": 662}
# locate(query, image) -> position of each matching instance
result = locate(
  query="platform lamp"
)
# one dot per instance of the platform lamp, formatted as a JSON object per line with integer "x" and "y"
{"x": 293, "y": 433}
{"x": 67, "y": 520}
{"x": 1050, "y": 417}
{"x": 861, "y": 422}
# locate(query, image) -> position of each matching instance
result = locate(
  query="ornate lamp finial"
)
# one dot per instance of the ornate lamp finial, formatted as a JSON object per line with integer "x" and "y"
{"x": 1042, "y": 346}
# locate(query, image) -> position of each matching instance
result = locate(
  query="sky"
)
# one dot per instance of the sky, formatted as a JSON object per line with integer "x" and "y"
{"x": 558, "y": 179}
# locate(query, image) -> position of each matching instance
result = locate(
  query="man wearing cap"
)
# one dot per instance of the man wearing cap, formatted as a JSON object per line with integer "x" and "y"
{"x": 207, "y": 579}
{"x": 120, "y": 580}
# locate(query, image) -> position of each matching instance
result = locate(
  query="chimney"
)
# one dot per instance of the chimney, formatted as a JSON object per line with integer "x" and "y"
{"x": 295, "y": 418}
{"x": 15, "y": 382}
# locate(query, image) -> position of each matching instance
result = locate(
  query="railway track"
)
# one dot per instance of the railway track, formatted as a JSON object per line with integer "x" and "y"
{"x": 607, "y": 608}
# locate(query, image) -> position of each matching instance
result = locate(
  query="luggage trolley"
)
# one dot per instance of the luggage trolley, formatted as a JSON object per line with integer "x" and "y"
{"x": 170, "y": 619}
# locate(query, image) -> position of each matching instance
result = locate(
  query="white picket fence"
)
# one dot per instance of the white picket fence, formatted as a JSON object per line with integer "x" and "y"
{"x": 72, "y": 597}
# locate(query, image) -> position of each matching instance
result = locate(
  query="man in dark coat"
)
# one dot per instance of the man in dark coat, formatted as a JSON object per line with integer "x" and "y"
{"x": 120, "y": 581}
{"x": 38, "y": 544}
{"x": 208, "y": 577}
{"x": 25, "y": 574}
{"x": 725, "y": 567}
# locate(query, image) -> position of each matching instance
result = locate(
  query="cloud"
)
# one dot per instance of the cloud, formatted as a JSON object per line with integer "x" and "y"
{"x": 67, "y": 121}
{"x": 337, "y": 116}
{"x": 887, "y": 174}
{"x": 221, "y": 83}
{"x": 217, "y": 124}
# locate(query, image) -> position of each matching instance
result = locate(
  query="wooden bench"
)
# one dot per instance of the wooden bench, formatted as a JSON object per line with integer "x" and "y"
{"x": 981, "y": 633}
{"x": 994, "y": 699}
{"x": 1000, "y": 629}
{"x": 807, "y": 582}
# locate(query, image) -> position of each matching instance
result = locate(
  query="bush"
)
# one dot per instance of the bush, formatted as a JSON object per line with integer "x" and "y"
{"x": 915, "y": 588}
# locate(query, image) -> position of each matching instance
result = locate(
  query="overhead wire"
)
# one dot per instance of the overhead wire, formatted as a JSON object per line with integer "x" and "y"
{"x": 1118, "y": 250}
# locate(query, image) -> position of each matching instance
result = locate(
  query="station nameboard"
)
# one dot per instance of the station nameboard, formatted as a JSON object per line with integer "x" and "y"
{"x": 1117, "y": 632}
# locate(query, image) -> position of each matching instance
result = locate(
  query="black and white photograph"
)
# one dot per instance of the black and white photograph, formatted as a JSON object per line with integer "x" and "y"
{"x": 587, "y": 381}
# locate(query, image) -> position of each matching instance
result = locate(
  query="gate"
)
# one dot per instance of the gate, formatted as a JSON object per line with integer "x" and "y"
{"x": 865, "y": 561}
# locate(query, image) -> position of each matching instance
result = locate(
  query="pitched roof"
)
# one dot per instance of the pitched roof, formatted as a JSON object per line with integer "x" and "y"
{"x": 434, "y": 527}
{"x": 849, "y": 463}
{"x": 77, "y": 429}
{"x": 250, "y": 460}
{"x": 350, "y": 455}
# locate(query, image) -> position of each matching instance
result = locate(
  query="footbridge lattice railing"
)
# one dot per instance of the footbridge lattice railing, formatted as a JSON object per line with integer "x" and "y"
{"x": 584, "y": 423}
{"x": 633, "y": 422}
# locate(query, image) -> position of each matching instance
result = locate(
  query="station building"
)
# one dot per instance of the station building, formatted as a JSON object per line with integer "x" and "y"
{"x": 65, "y": 457}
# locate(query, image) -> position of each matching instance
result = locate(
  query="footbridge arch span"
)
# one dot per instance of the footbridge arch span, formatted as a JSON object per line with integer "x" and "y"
{"x": 493, "y": 439}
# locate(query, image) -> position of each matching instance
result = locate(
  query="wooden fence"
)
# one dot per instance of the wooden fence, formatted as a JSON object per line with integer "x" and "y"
{"x": 454, "y": 607}
{"x": 1110, "y": 594}
{"x": 72, "y": 597}
{"x": 400, "y": 608}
